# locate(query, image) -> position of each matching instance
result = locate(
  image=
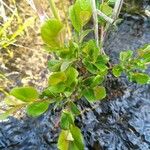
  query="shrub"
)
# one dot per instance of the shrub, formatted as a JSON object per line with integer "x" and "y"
{"x": 78, "y": 70}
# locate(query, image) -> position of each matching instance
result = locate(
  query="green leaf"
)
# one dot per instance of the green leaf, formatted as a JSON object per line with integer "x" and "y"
{"x": 66, "y": 141}
{"x": 74, "y": 19}
{"x": 80, "y": 13}
{"x": 56, "y": 78}
{"x": 97, "y": 80}
{"x": 144, "y": 53}
{"x": 63, "y": 143}
{"x": 126, "y": 55}
{"x": 84, "y": 34}
{"x": 73, "y": 146}
{"x": 146, "y": 57}
{"x": 112, "y": 2}
{"x": 106, "y": 9}
{"x": 101, "y": 66}
{"x": 117, "y": 70}
{"x": 54, "y": 65}
{"x": 66, "y": 120}
{"x": 78, "y": 138}
{"x": 93, "y": 80}
{"x": 72, "y": 75}
{"x": 71, "y": 139}
{"x": 65, "y": 64}
{"x": 51, "y": 32}
{"x": 90, "y": 48}
{"x": 88, "y": 81}
{"x": 139, "y": 64}
{"x": 70, "y": 52}
{"x": 37, "y": 108}
{"x": 25, "y": 94}
{"x": 55, "y": 89}
{"x": 103, "y": 59}
{"x": 89, "y": 66}
{"x": 89, "y": 95}
{"x": 74, "y": 109}
{"x": 68, "y": 91}
{"x": 99, "y": 92}
{"x": 140, "y": 78}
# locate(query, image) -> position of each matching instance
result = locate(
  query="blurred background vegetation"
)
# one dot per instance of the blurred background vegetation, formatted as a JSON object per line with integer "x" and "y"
{"x": 23, "y": 60}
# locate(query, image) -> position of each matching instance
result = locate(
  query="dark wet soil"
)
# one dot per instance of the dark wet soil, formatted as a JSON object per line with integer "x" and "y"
{"x": 122, "y": 123}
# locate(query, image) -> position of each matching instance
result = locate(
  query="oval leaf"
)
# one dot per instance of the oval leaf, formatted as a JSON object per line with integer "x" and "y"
{"x": 124, "y": 56}
{"x": 97, "y": 80}
{"x": 63, "y": 143}
{"x": 74, "y": 109}
{"x": 66, "y": 120}
{"x": 99, "y": 92}
{"x": 80, "y": 13}
{"x": 65, "y": 65}
{"x": 106, "y": 9}
{"x": 89, "y": 95}
{"x": 25, "y": 94}
{"x": 141, "y": 78}
{"x": 51, "y": 33}
{"x": 78, "y": 142}
{"x": 72, "y": 75}
{"x": 37, "y": 108}
{"x": 117, "y": 70}
{"x": 54, "y": 89}
{"x": 56, "y": 78}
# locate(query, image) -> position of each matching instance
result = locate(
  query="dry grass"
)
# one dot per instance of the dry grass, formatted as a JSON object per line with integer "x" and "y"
{"x": 26, "y": 61}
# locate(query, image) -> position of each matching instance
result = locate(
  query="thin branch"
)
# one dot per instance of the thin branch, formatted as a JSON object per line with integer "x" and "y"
{"x": 147, "y": 12}
{"x": 95, "y": 19}
{"x": 54, "y": 9}
{"x": 108, "y": 19}
{"x": 102, "y": 30}
{"x": 117, "y": 9}
{"x": 6, "y": 6}
{"x": 21, "y": 46}
{"x": 115, "y": 14}
{"x": 2, "y": 11}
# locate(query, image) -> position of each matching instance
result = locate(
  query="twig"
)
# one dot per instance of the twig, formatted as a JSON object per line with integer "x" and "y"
{"x": 6, "y": 6}
{"x": 54, "y": 9}
{"x": 117, "y": 9}
{"x": 95, "y": 19}
{"x": 2, "y": 11}
{"x": 102, "y": 34}
{"x": 108, "y": 19}
{"x": 68, "y": 29}
{"x": 3, "y": 91}
{"x": 148, "y": 63}
{"x": 115, "y": 14}
{"x": 21, "y": 46}
{"x": 102, "y": 31}
{"x": 147, "y": 12}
